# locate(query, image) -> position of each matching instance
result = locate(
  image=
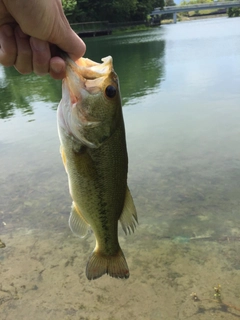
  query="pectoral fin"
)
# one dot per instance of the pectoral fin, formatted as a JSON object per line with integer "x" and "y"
{"x": 77, "y": 223}
{"x": 128, "y": 217}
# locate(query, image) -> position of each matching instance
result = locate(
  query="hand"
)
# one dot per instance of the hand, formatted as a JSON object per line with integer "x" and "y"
{"x": 31, "y": 33}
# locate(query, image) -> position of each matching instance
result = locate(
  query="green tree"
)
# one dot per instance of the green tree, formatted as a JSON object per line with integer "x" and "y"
{"x": 116, "y": 11}
{"x": 186, "y": 3}
{"x": 170, "y": 3}
{"x": 110, "y": 10}
{"x": 233, "y": 12}
{"x": 69, "y": 5}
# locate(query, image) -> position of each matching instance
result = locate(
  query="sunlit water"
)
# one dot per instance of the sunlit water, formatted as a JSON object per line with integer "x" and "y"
{"x": 180, "y": 87}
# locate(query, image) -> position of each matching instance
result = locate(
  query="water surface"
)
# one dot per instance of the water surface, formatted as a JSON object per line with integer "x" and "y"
{"x": 180, "y": 90}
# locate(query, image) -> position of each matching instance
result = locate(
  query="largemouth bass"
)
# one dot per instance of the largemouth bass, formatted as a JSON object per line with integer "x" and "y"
{"x": 94, "y": 153}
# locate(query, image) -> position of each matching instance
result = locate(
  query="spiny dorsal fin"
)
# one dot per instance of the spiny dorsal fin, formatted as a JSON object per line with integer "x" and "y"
{"x": 128, "y": 217}
{"x": 76, "y": 222}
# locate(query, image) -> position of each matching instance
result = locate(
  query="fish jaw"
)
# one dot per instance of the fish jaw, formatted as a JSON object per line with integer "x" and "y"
{"x": 86, "y": 76}
{"x": 85, "y": 111}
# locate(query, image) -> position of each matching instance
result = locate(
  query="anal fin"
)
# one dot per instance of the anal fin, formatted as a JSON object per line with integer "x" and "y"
{"x": 77, "y": 223}
{"x": 128, "y": 217}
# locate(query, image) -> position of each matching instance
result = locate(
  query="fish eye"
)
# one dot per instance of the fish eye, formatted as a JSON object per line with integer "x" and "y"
{"x": 110, "y": 91}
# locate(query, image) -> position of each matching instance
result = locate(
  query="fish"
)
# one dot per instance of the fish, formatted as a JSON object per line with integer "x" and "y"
{"x": 94, "y": 153}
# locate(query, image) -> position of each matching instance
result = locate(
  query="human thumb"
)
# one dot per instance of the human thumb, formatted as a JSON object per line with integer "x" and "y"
{"x": 70, "y": 43}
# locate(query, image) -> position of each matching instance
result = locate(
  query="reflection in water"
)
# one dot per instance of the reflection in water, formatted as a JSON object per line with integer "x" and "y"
{"x": 138, "y": 61}
{"x": 21, "y": 92}
{"x": 143, "y": 69}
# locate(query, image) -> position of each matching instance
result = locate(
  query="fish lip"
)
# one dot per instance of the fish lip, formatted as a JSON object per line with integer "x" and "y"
{"x": 88, "y": 69}
{"x": 87, "y": 76}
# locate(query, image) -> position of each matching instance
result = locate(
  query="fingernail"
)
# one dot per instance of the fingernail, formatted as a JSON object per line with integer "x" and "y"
{"x": 57, "y": 69}
{"x": 38, "y": 45}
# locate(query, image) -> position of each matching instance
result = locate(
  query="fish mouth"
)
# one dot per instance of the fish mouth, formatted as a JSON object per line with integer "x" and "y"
{"x": 84, "y": 78}
{"x": 86, "y": 75}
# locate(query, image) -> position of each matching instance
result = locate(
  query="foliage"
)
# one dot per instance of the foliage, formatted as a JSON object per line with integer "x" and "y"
{"x": 187, "y": 3}
{"x": 69, "y": 5}
{"x": 193, "y": 2}
{"x": 169, "y": 3}
{"x": 109, "y": 10}
{"x": 233, "y": 12}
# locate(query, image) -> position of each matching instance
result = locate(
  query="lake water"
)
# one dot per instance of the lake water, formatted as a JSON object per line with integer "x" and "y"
{"x": 180, "y": 86}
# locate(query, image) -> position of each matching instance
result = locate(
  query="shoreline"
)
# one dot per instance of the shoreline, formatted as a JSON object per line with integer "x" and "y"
{"x": 200, "y": 17}
{"x": 141, "y": 27}
{"x": 167, "y": 21}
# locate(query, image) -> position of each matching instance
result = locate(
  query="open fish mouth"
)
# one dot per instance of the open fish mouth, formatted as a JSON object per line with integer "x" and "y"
{"x": 87, "y": 74}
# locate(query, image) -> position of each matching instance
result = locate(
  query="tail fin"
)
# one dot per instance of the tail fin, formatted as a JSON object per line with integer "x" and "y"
{"x": 99, "y": 264}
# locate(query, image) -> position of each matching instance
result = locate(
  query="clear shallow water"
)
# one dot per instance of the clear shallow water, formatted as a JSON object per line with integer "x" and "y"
{"x": 180, "y": 88}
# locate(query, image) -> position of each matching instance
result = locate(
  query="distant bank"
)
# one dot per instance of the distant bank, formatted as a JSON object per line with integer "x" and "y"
{"x": 194, "y": 16}
{"x": 102, "y": 28}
